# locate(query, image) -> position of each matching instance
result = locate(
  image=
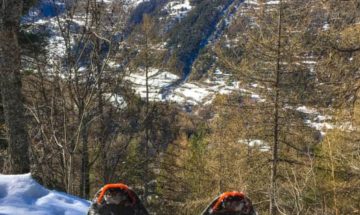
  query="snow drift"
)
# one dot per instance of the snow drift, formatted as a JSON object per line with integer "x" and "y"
{"x": 20, "y": 194}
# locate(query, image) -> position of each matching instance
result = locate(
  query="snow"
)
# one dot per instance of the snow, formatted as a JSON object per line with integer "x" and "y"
{"x": 193, "y": 91}
{"x": 117, "y": 100}
{"x": 315, "y": 119}
{"x": 186, "y": 93}
{"x": 255, "y": 143}
{"x": 321, "y": 118}
{"x": 326, "y": 26}
{"x": 130, "y": 2}
{"x": 257, "y": 97}
{"x": 273, "y": 2}
{"x": 137, "y": 2}
{"x": 307, "y": 110}
{"x": 320, "y": 126}
{"x": 218, "y": 72}
{"x": 20, "y": 194}
{"x": 178, "y": 8}
{"x": 48, "y": 22}
{"x": 157, "y": 81}
{"x": 56, "y": 46}
{"x": 256, "y": 2}
{"x": 309, "y": 62}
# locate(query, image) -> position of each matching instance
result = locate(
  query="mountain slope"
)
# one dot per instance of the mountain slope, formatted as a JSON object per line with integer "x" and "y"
{"x": 192, "y": 34}
{"x": 207, "y": 20}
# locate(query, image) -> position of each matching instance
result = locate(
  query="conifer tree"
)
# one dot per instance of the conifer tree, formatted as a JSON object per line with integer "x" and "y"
{"x": 273, "y": 57}
{"x": 338, "y": 169}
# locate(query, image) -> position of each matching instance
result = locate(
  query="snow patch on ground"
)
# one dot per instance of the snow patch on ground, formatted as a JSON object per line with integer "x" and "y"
{"x": 136, "y": 2}
{"x": 267, "y": 2}
{"x": 116, "y": 100}
{"x": 130, "y": 2}
{"x": 192, "y": 93}
{"x": 189, "y": 93}
{"x": 254, "y": 143}
{"x": 315, "y": 120}
{"x": 178, "y": 9}
{"x": 20, "y": 194}
{"x": 326, "y": 26}
{"x": 307, "y": 110}
{"x": 157, "y": 80}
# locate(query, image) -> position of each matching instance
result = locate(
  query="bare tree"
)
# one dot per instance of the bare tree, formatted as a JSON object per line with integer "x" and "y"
{"x": 275, "y": 156}
{"x": 273, "y": 56}
{"x": 72, "y": 91}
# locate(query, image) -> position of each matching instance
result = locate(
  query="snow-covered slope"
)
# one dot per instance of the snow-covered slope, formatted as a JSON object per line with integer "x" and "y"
{"x": 189, "y": 93}
{"x": 178, "y": 8}
{"x": 136, "y": 2}
{"x": 20, "y": 194}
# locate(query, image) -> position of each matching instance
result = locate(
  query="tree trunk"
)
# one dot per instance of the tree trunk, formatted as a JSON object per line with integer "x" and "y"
{"x": 102, "y": 127}
{"x": 275, "y": 157}
{"x": 10, "y": 83}
{"x": 83, "y": 121}
{"x": 85, "y": 170}
{"x": 147, "y": 126}
{"x": 70, "y": 174}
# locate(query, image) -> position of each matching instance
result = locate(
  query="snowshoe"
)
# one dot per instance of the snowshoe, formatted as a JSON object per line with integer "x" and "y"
{"x": 116, "y": 199}
{"x": 230, "y": 203}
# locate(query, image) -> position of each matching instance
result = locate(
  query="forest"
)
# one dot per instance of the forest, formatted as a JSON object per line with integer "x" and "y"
{"x": 287, "y": 134}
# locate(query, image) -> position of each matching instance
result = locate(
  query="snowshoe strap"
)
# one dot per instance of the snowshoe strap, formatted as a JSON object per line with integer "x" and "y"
{"x": 225, "y": 196}
{"x": 117, "y": 186}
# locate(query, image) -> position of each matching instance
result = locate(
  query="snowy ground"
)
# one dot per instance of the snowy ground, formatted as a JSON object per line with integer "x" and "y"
{"x": 266, "y": 2}
{"x": 316, "y": 120}
{"x": 20, "y": 194}
{"x": 189, "y": 93}
{"x": 134, "y": 2}
{"x": 259, "y": 144}
{"x": 178, "y": 8}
